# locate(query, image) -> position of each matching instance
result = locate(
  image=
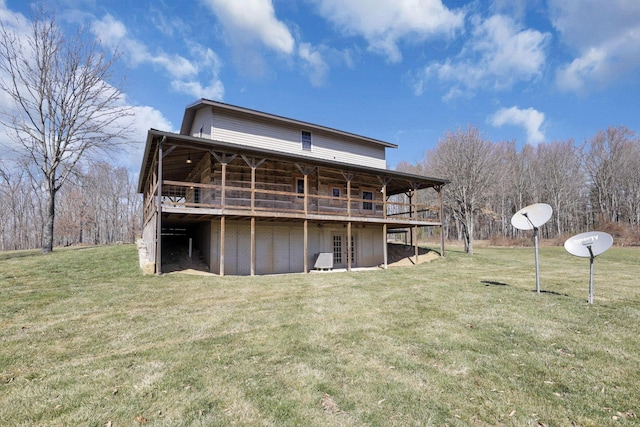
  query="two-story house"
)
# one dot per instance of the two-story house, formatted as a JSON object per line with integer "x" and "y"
{"x": 258, "y": 193}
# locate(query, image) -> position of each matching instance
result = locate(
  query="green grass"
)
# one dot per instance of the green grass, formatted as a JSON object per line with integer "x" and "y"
{"x": 463, "y": 340}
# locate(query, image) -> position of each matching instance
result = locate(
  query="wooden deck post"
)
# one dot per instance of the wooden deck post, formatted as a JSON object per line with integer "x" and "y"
{"x": 159, "y": 211}
{"x": 349, "y": 246}
{"x": 253, "y": 221}
{"x": 224, "y": 159}
{"x": 349, "y": 198}
{"x": 253, "y": 163}
{"x": 415, "y": 217}
{"x": 224, "y": 186}
{"x": 305, "y": 170}
{"x": 253, "y": 189}
{"x": 439, "y": 189}
{"x": 385, "y": 254}
{"x": 222, "y": 231}
{"x": 253, "y": 245}
{"x": 306, "y": 246}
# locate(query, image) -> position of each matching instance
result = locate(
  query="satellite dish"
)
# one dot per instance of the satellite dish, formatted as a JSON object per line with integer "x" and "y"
{"x": 530, "y": 218}
{"x": 589, "y": 245}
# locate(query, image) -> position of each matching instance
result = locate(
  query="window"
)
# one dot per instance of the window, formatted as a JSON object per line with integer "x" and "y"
{"x": 300, "y": 187}
{"x": 367, "y": 195}
{"x": 305, "y": 137}
{"x": 335, "y": 192}
{"x": 337, "y": 249}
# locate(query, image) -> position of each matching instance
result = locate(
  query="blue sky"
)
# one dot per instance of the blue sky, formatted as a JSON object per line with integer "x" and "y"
{"x": 403, "y": 71}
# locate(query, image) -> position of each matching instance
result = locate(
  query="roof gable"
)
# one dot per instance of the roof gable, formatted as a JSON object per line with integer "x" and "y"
{"x": 190, "y": 112}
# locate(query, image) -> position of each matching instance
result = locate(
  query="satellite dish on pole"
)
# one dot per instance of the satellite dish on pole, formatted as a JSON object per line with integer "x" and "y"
{"x": 589, "y": 245}
{"x": 530, "y": 218}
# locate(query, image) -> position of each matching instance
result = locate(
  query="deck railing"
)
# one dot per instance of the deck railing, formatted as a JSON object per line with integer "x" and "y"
{"x": 177, "y": 194}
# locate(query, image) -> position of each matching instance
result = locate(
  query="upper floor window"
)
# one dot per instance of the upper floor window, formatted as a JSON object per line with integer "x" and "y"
{"x": 367, "y": 195}
{"x": 305, "y": 137}
{"x": 300, "y": 187}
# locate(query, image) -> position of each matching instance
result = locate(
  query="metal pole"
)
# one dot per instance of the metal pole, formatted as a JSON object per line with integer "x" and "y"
{"x": 535, "y": 242}
{"x": 590, "y": 275}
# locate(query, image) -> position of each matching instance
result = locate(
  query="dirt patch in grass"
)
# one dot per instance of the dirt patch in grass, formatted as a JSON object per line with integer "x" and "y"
{"x": 400, "y": 255}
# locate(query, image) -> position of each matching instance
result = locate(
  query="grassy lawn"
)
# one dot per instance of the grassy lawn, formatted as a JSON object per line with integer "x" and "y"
{"x": 462, "y": 340}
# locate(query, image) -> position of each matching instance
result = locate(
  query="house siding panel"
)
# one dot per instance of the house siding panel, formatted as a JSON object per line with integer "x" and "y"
{"x": 202, "y": 123}
{"x": 149, "y": 235}
{"x": 263, "y": 134}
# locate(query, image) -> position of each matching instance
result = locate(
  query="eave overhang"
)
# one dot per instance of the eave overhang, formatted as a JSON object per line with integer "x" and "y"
{"x": 399, "y": 182}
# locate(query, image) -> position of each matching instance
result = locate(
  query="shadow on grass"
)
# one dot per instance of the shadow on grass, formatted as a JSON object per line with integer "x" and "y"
{"x": 493, "y": 283}
{"x": 552, "y": 293}
{"x": 19, "y": 254}
{"x": 38, "y": 252}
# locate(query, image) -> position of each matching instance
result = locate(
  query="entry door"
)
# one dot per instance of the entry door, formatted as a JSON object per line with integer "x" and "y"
{"x": 340, "y": 251}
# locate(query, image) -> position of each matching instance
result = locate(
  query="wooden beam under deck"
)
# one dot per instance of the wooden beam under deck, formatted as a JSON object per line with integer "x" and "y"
{"x": 196, "y": 214}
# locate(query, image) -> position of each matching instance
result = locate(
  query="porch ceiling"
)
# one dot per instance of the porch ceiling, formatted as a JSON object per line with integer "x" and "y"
{"x": 177, "y": 149}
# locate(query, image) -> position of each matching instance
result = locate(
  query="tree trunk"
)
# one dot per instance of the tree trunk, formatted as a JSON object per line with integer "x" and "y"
{"x": 468, "y": 232}
{"x": 47, "y": 232}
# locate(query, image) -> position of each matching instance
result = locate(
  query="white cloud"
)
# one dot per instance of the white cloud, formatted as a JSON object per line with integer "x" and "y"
{"x": 529, "y": 119}
{"x": 314, "y": 63}
{"x": 384, "y": 24}
{"x": 251, "y": 24}
{"x": 605, "y": 37}
{"x": 130, "y": 154}
{"x": 186, "y": 74}
{"x": 248, "y": 21}
{"x": 143, "y": 117}
{"x": 498, "y": 54}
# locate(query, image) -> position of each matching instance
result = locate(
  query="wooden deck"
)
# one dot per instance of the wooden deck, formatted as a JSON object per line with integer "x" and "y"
{"x": 184, "y": 200}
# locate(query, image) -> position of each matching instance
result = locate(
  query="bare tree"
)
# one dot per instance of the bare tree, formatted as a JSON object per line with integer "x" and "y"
{"x": 612, "y": 165}
{"x": 469, "y": 162}
{"x": 64, "y": 109}
{"x": 561, "y": 179}
{"x": 20, "y": 208}
{"x": 99, "y": 206}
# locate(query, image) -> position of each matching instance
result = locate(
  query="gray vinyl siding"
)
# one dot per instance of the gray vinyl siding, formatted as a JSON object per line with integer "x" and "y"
{"x": 203, "y": 120}
{"x": 258, "y": 132}
{"x": 279, "y": 247}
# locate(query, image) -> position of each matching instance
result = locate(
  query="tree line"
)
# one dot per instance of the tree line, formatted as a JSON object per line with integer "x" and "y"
{"x": 61, "y": 108}
{"x": 99, "y": 205}
{"x": 590, "y": 185}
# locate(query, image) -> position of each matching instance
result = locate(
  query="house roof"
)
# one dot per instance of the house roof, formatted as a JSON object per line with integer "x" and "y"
{"x": 191, "y": 109}
{"x": 400, "y": 181}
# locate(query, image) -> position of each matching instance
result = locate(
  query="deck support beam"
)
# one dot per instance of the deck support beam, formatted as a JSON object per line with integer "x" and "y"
{"x": 306, "y": 170}
{"x": 440, "y": 189}
{"x": 349, "y": 249}
{"x": 224, "y": 159}
{"x": 159, "y": 211}
{"x": 415, "y": 217}
{"x": 306, "y": 246}
{"x": 222, "y": 239}
{"x": 385, "y": 254}
{"x": 253, "y": 163}
{"x": 253, "y": 245}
